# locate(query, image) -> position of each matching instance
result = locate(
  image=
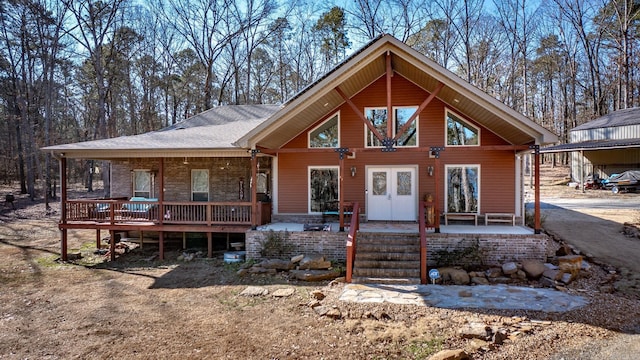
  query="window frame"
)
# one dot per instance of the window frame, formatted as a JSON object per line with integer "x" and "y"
{"x": 478, "y": 184}
{"x": 464, "y": 122}
{"x": 193, "y": 192}
{"x": 394, "y": 110}
{"x": 334, "y": 115}
{"x": 136, "y": 192}
{"x": 310, "y": 169}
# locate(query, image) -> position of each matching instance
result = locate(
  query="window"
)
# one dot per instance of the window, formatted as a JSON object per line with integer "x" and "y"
{"x": 460, "y": 132}
{"x": 463, "y": 184}
{"x": 323, "y": 189}
{"x": 401, "y": 114}
{"x": 199, "y": 185}
{"x": 142, "y": 183}
{"x": 327, "y": 134}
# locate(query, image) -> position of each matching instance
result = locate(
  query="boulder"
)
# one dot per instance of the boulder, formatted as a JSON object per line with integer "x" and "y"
{"x": 494, "y": 272}
{"x": 314, "y": 275}
{"x": 552, "y": 274}
{"x": 457, "y": 354}
{"x": 254, "y": 291}
{"x": 533, "y": 268}
{"x": 456, "y": 276}
{"x": 479, "y": 280}
{"x": 297, "y": 258}
{"x": 475, "y": 330}
{"x": 509, "y": 268}
{"x": 286, "y": 292}
{"x": 276, "y": 264}
{"x": 314, "y": 262}
{"x": 318, "y": 294}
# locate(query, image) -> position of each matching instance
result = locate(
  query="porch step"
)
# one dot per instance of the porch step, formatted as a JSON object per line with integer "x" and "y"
{"x": 394, "y": 281}
{"x": 387, "y": 258}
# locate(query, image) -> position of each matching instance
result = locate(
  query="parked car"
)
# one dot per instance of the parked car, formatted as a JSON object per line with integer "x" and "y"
{"x": 626, "y": 181}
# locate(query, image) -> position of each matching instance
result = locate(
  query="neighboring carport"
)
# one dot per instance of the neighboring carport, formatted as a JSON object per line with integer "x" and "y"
{"x": 602, "y": 156}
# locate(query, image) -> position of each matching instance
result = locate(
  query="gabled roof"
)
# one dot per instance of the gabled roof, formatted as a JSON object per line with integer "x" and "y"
{"x": 591, "y": 145}
{"x": 206, "y": 134}
{"x": 614, "y": 119}
{"x": 369, "y": 64}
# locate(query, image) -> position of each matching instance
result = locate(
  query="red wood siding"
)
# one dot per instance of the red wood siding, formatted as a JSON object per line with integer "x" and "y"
{"x": 497, "y": 168}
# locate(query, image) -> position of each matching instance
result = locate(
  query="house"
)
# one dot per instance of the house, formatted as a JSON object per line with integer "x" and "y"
{"x": 387, "y": 136}
{"x": 607, "y": 145}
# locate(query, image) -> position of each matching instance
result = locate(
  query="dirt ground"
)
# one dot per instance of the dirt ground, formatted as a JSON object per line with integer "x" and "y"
{"x": 140, "y": 308}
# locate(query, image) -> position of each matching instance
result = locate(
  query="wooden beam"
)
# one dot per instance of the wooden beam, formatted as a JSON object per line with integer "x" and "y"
{"x": 389, "y": 107}
{"x": 420, "y": 108}
{"x": 399, "y": 149}
{"x": 209, "y": 244}
{"x": 359, "y": 114}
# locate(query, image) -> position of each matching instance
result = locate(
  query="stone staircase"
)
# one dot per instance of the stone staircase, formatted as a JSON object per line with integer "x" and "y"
{"x": 387, "y": 258}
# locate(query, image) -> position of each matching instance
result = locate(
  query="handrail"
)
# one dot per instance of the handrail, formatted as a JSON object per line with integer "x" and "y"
{"x": 351, "y": 240}
{"x": 422, "y": 220}
{"x": 171, "y": 212}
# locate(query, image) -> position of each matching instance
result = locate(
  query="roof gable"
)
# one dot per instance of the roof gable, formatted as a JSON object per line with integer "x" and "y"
{"x": 369, "y": 64}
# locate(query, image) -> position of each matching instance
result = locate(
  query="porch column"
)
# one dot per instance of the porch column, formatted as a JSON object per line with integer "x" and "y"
{"x": 536, "y": 229}
{"x": 63, "y": 210}
{"x": 436, "y": 174}
{"x": 341, "y": 151}
{"x": 254, "y": 188}
{"x": 161, "y": 191}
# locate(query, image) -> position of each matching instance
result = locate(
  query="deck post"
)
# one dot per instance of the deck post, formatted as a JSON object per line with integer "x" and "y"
{"x": 161, "y": 244}
{"x": 209, "y": 244}
{"x": 112, "y": 245}
{"x": 254, "y": 188}
{"x": 536, "y": 149}
{"x": 161, "y": 191}
{"x": 63, "y": 205}
{"x": 98, "y": 239}
{"x": 341, "y": 152}
{"x": 435, "y": 150}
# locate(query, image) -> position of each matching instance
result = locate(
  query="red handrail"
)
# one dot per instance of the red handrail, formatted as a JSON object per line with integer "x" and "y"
{"x": 423, "y": 242}
{"x": 351, "y": 240}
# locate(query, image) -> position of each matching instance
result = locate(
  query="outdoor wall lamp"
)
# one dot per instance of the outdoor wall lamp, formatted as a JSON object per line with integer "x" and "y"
{"x": 186, "y": 161}
{"x": 353, "y": 171}
{"x": 430, "y": 170}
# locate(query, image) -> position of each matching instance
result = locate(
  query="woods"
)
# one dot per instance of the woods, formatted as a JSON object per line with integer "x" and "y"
{"x": 81, "y": 70}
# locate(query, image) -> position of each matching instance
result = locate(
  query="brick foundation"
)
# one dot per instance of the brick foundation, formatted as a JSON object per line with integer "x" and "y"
{"x": 497, "y": 249}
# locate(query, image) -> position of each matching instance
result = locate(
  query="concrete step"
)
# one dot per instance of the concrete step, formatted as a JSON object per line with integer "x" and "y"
{"x": 392, "y": 248}
{"x": 382, "y": 280}
{"x": 388, "y": 256}
{"x": 385, "y": 264}
{"x": 387, "y": 273}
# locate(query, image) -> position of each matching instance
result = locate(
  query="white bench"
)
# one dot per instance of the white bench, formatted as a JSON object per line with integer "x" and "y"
{"x": 500, "y": 218}
{"x": 461, "y": 216}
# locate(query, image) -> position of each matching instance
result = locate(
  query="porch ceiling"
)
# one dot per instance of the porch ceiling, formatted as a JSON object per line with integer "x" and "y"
{"x": 364, "y": 67}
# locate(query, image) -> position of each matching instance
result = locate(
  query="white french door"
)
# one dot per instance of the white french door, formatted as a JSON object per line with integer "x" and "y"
{"x": 391, "y": 193}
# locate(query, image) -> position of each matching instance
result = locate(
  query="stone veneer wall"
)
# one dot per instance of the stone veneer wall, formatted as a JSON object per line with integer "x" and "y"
{"x": 497, "y": 248}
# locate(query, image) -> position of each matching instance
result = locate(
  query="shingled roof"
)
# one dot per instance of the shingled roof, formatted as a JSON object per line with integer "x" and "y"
{"x": 213, "y": 130}
{"x": 614, "y": 119}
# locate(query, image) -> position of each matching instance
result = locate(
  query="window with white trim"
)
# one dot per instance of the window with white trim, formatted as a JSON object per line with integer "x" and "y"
{"x": 460, "y": 132}
{"x": 142, "y": 183}
{"x": 327, "y": 134}
{"x": 323, "y": 189}
{"x": 199, "y": 185}
{"x": 463, "y": 188}
{"x": 401, "y": 115}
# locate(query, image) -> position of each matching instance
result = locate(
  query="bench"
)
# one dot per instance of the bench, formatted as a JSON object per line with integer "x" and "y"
{"x": 500, "y": 218}
{"x": 347, "y": 211}
{"x": 461, "y": 216}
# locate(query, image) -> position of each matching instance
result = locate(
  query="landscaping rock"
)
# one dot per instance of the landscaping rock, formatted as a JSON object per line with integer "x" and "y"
{"x": 533, "y": 268}
{"x": 479, "y": 280}
{"x": 475, "y": 330}
{"x": 297, "y": 258}
{"x": 494, "y": 272}
{"x": 456, "y": 276}
{"x": 571, "y": 264}
{"x": 254, "y": 291}
{"x": 314, "y": 262}
{"x": 276, "y": 264}
{"x": 286, "y": 292}
{"x": 509, "y": 268}
{"x": 318, "y": 295}
{"x": 552, "y": 274}
{"x": 457, "y": 354}
{"x": 314, "y": 275}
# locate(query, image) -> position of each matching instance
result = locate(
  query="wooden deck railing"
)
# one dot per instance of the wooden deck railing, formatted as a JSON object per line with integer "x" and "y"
{"x": 172, "y": 212}
{"x": 351, "y": 240}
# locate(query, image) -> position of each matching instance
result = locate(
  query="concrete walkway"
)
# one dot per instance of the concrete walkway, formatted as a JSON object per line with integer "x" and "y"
{"x": 457, "y": 296}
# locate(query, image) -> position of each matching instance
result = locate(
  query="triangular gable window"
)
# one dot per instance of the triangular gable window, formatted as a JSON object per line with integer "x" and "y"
{"x": 327, "y": 134}
{"x": 460, "y": 132}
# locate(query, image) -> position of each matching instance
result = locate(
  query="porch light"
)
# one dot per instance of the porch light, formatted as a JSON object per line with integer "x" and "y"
{"x": 186, "y": 161}
{"x": 353, "y": 171}
{"x": 430, "y": 170}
